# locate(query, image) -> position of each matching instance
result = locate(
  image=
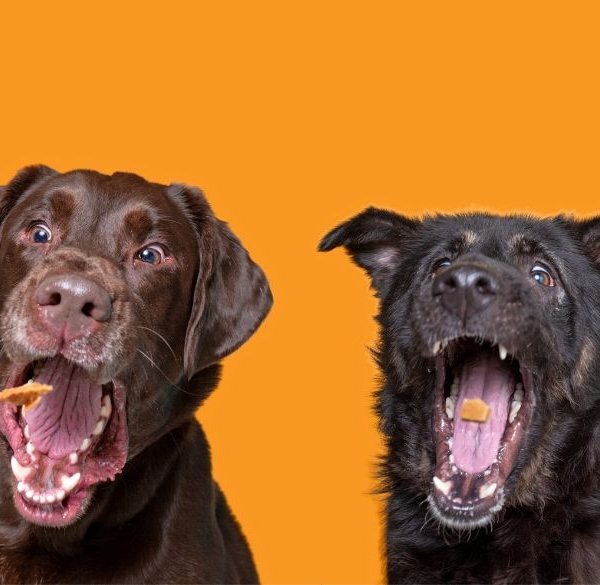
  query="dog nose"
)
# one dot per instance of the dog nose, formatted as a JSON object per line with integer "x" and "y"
{"x": 72, "y": 306}
{"x": 465, "y": 290}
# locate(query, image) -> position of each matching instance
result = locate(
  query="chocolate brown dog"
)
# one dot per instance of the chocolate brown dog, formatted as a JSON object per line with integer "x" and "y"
{"x": 505, "y": 310}
{"x": 123, "y": 295}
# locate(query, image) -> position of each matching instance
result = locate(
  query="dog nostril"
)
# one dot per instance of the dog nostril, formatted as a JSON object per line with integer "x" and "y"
{"x": 450, "y": 284}
{"x": 484, "y": 286}
{"x": 87, "y": 309}
{"x": 53, "y": 299}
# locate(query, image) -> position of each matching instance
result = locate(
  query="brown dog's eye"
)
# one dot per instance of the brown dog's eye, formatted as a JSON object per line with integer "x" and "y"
{"x": 152, "y": 255}
{"x": 39, "y": 234}
{"x": 439, "y": 264}
{"x": 542, "y": 275}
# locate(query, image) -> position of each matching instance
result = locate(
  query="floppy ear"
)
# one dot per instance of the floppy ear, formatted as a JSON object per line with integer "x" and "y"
{"x": 232, "y": 295}
{"x": 375, "y": 239}
{"x": 22, "y": 181}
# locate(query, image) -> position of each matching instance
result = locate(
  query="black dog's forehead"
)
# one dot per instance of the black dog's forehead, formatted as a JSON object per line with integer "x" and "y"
{"x": 107, "y": 204}
{"x": 502, "y": 237}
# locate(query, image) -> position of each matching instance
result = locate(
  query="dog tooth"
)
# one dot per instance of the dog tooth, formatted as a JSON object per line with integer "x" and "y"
{"x": 451, "y": 459}
{"x": 450, "y": 443}
{"x": 443, "y": 486}
{"x": 98, "y": 428}
{"x": 106, "y": 409}
{"x": 36, "y": 498}
{"x": 85, "y": 445}
{"x": 502, "y": 351}
{"x": 519, "y": 393}
{"x": 435, "y": 348}
{"x": 30, "y": 448}
{"x": 450, "y": 407}
{"x": 29, "y": 494}
{"x": 18, "y": 470}
{"x": 487, "y": 490}
{"x": 51, "y": 498}
{"x": 68, "y": 482}
{"x": 60, "y": 495}
{"x": 454, "y": 389}
{"x": 514, "y": 410}
{"x": 26, "y": 432}
{"x": 73, "y": 458}
{"x": 21, "y": 487}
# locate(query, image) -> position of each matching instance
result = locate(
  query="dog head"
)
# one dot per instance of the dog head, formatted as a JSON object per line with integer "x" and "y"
{"x": 500, "y": 309}
{"x": 123, "y": 295}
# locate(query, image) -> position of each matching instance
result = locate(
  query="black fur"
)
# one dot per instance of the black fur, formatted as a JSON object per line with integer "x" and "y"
{"x": 544, "y": 524}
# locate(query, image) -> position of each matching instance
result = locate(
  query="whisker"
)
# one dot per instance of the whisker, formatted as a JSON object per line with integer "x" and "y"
{"x": 160, "y": 337}
{"x": 155, "y": 365}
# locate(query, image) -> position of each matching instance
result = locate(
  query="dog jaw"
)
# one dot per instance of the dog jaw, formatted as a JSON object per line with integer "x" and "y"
{"x": 465, "y": 493}
{"x": 56, "y": 490}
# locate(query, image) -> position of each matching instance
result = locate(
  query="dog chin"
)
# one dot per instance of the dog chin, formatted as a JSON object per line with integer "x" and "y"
{"x": 60, "y": 449}
{"x": 475, "y": 459}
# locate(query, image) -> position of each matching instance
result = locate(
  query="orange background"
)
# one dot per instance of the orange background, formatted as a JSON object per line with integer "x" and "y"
{"x": 293, "y": 116}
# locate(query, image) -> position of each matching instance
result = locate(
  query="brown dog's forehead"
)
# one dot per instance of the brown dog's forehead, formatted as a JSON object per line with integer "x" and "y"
{"x": 120, "y": 208}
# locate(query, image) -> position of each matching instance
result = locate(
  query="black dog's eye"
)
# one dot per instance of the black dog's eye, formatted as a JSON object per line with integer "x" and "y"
{"x": 39, "y": 234}
{"x": 439, "y": 264}
{"x": 152, "y": 255}
{"x": 542, "y": 275}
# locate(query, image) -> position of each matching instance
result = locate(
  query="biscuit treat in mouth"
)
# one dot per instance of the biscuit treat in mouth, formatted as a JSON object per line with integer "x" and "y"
{"x": 475, "y": 410}
{"x": 27, "y": 395}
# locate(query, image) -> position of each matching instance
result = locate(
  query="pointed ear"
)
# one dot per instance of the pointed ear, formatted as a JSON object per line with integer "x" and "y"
{"x": 375, "y": 239}
{"x": 588, "y": 230}
{"x": 231, "y": 296}
{"x": 22, "y": 182}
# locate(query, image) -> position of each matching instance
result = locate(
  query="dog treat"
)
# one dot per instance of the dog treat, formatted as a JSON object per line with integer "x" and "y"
{"x": 28, "y": 394}
{"x": 475, "y": 410}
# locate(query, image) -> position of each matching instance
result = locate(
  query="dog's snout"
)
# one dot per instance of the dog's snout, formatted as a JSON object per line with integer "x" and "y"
{"x": 465, "y": 289}
{"x": 72, "y": 306}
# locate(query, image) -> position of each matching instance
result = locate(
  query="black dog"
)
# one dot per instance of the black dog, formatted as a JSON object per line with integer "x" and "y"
{"x": 505, "y": 310}
{"x": 123, "y": 295}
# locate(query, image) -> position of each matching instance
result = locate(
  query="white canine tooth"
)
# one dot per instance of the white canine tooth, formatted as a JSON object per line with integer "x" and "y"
{"x": 519, "y": 393}
{"x": 36, "y": 498}
{"x": 68, "y": 482}
{"x": 487, "y": 490}
{"x": 51, "y": 498}
{"x": 30, "y": 448}
{"x": 443, "y": 486}
{"x": 18, "y": 470}
{"x": 73, "y": 458}
{"x": 98, "y": 428}
{"x": 85, "y": 445}
{"x": 502, "y": 351}
{"x": 454, "y": 389}
{"x": 26, "y": 432}
{"x": 106, "y": 409}
{"x": 450, "y": 407}
{"x": 451, "y": 459}
{"x": 514, "y": 410}
{"x": 29, "y": 494}
{"x": 450, "y": 443}
{"x": 436, "y": 347}
{"x": 21, "y": 487}
{"x": 60, "y": 495}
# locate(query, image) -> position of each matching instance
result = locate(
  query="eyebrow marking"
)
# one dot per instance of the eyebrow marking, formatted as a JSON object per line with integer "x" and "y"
{"x": 469, "y": 237}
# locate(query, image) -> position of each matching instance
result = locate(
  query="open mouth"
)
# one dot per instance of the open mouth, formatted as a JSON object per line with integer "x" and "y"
{"x": 73, "y": 439}
{"x": 474, "y": 459}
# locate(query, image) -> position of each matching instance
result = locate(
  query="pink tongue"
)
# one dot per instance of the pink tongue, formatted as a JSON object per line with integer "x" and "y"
{"x": 475, "y": 445}
{"x": 67, "y": 415}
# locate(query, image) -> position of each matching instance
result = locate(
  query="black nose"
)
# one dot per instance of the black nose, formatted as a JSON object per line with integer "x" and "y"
{"x": 465, "y": 290}
{"x": 72, "y": 306}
